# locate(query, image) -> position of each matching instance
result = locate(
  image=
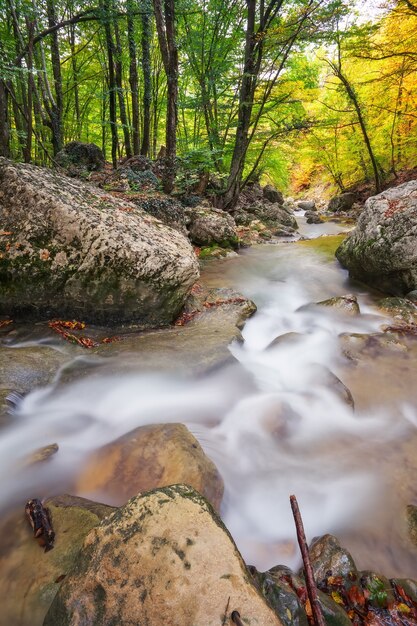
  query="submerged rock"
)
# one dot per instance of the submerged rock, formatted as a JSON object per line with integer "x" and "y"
{"x": 147, "y": 458}
{"x": 73, "y": 250}
{"x": 382, "y": 250}
{"x": 164, "y": 558}
{"x": 30, "y": 577}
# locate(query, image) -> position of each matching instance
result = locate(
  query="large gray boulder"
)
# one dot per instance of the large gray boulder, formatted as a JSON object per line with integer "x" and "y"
{"x": 382, "y": 250}
{"x": 71, "y": 249}
{"x": 164, "y": 558}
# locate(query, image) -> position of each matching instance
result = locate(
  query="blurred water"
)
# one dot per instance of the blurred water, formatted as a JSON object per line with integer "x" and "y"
{"x": 270, "y": 422}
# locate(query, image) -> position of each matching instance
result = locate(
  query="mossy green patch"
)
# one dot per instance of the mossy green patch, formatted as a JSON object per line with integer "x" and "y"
{"x": 326, "y": 245}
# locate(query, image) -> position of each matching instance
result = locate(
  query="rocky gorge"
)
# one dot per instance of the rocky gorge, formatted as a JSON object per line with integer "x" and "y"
{"x": 278, "y": 402}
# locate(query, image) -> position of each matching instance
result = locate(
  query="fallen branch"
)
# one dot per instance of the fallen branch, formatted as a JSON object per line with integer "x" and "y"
{"x": 235, "y": 617}
{"x": 310, "y": 584}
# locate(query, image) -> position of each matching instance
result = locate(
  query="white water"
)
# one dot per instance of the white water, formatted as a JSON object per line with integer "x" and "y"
{"x": 270, "y": 422}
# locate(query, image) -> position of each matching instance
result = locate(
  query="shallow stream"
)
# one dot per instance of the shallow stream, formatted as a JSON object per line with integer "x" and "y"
{"x": 269, "y": 418}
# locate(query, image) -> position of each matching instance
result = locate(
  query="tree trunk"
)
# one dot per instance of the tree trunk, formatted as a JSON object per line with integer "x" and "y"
{"x": 147, "y": 76}
{"x": 111, "y": 81}
{"x": 119, "y": 83}
{"x": 165, "y": 24}
{"x": 133, "y": 79}
{"x": 230, "y": 196}
{"x": 57, "y": 108}
{"x": 4, "y": 121}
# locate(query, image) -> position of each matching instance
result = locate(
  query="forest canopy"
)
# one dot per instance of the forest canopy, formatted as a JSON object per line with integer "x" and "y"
{"x": 296, "y": 92}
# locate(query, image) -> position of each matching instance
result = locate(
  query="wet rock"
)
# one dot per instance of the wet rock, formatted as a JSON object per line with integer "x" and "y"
{"x": 30, "y": 577}
{"x": 77, "y": 156}
{"x": 43, "y": 454}
{"x": 307, "y": 205}
{"x": 208, "y": 226}
{"x": 412, "y": 522}
{"x": 412, "y": 296}
{"x": 22, "y": 368}
{"x": 147, "y": 458}
{"x": 347, "y": 304}
{"x": 409, "y": 586}
{"x": 76, "y": 251}
{"x": 281, "y": 582}
{"x": 312, "y": 217}
{"x": 272, "y": 215}
{"x": 273, "y": 195}
{"x": 382, "y": 250}
{"x": 163, "y": 558}
{"x": 358, "y": 346}
{"x": 381, "y": 594}
{"x": 323, "y": 376}
{"x": 342, "y": 202}
{"x": 286, "y": 339}
{"x": 399, "y": 308}
{"x": 327, "y": 555}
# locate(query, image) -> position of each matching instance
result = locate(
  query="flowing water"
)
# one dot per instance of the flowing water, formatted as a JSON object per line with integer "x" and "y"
{"x": 270, "y": 420}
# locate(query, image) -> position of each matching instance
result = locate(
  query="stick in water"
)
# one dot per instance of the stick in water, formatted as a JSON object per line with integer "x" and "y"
{"x": 310, "y": 584}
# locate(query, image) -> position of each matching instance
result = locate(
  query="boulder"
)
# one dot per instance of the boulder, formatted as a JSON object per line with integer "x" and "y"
{"x": 312, "y": 217}
{"x": 146, "y": 458}
{"x": 208, "y": 226}
{"x": 30, "y": 577}
{"x": 77, "y": 156}
{"x": 164, "y": 558}
{"x": 273, "y": 195}
{"x": 382, "y": 250}
{"x": 327, "y": 555}
{"x": 73, "y": 250}
{"x": 342, "y": 202}
{"x": 307, "y": 205}
{"x": 272, "y": 215}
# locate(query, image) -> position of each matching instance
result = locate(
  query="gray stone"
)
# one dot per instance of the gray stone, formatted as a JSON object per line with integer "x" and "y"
{"x": 272, "y": 215}
{"x": 272, "y": 194}
{"x": 312, "y": 217}
{"x": 307, "y": 205}
{"x": 347, "y": 304}
{"x": 327, "y": 555}
{"x": 208, "y": 226}
{"x": 342, "y": 202}
{"x": 76, "y": 251}
{"x": 382, "y": 250}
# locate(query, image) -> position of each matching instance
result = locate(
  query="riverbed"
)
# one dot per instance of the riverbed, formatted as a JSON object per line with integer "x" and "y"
{"x": 266, "y": 415}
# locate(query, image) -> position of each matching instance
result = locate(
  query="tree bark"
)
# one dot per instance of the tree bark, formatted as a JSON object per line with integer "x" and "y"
{"x": 111, "y": 80}
{"x": 4, "y": 121}
{"x": 147, "y": 77}
{"x": 120, "y": 92}
{"x": 165, "y": 24}
{"x": 133, "y": 79}
{"x": 57, "y": 108}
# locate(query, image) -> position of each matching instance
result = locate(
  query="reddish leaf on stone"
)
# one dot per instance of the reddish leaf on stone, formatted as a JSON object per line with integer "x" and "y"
{"x": 71, "y": 325}
{"x": 5, "y": 233}
{"x": 111, "y": 339}
{"x": 4, "y": 323}
{"x": 356, "y": 596}
{"x": 86, "y": 342}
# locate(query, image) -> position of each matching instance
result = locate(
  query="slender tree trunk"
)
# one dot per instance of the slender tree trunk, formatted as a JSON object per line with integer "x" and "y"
{"x": 57, "y": 109}
{"x": 133, "y": 79}
{"x": 74, "y": 68}
{"x": 27, "y": 155}
{"x": 165, "y": 24}
{"x": 111, "y": 81}
{"x": 147, "y": 76}
{"x": 120, "y": 91}
{"x": 231, "y": 194}
{"x": 4, "y": 121}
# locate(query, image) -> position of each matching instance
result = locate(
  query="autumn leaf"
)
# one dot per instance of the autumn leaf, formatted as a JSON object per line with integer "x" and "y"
{"x": 5, "y": 232}
{"x": 337, "y": 597}
{"x": 4, "y": 323}
{"x": 111, "y": 339}
{"x": 356, "y": 596}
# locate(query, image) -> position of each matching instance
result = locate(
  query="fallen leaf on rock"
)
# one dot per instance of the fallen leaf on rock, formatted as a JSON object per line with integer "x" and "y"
{"x": 4, "y": 323}
{"x": 73, "y": 325}
{"x": 6, "y": 232}
{"x": 111, "y": 339}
